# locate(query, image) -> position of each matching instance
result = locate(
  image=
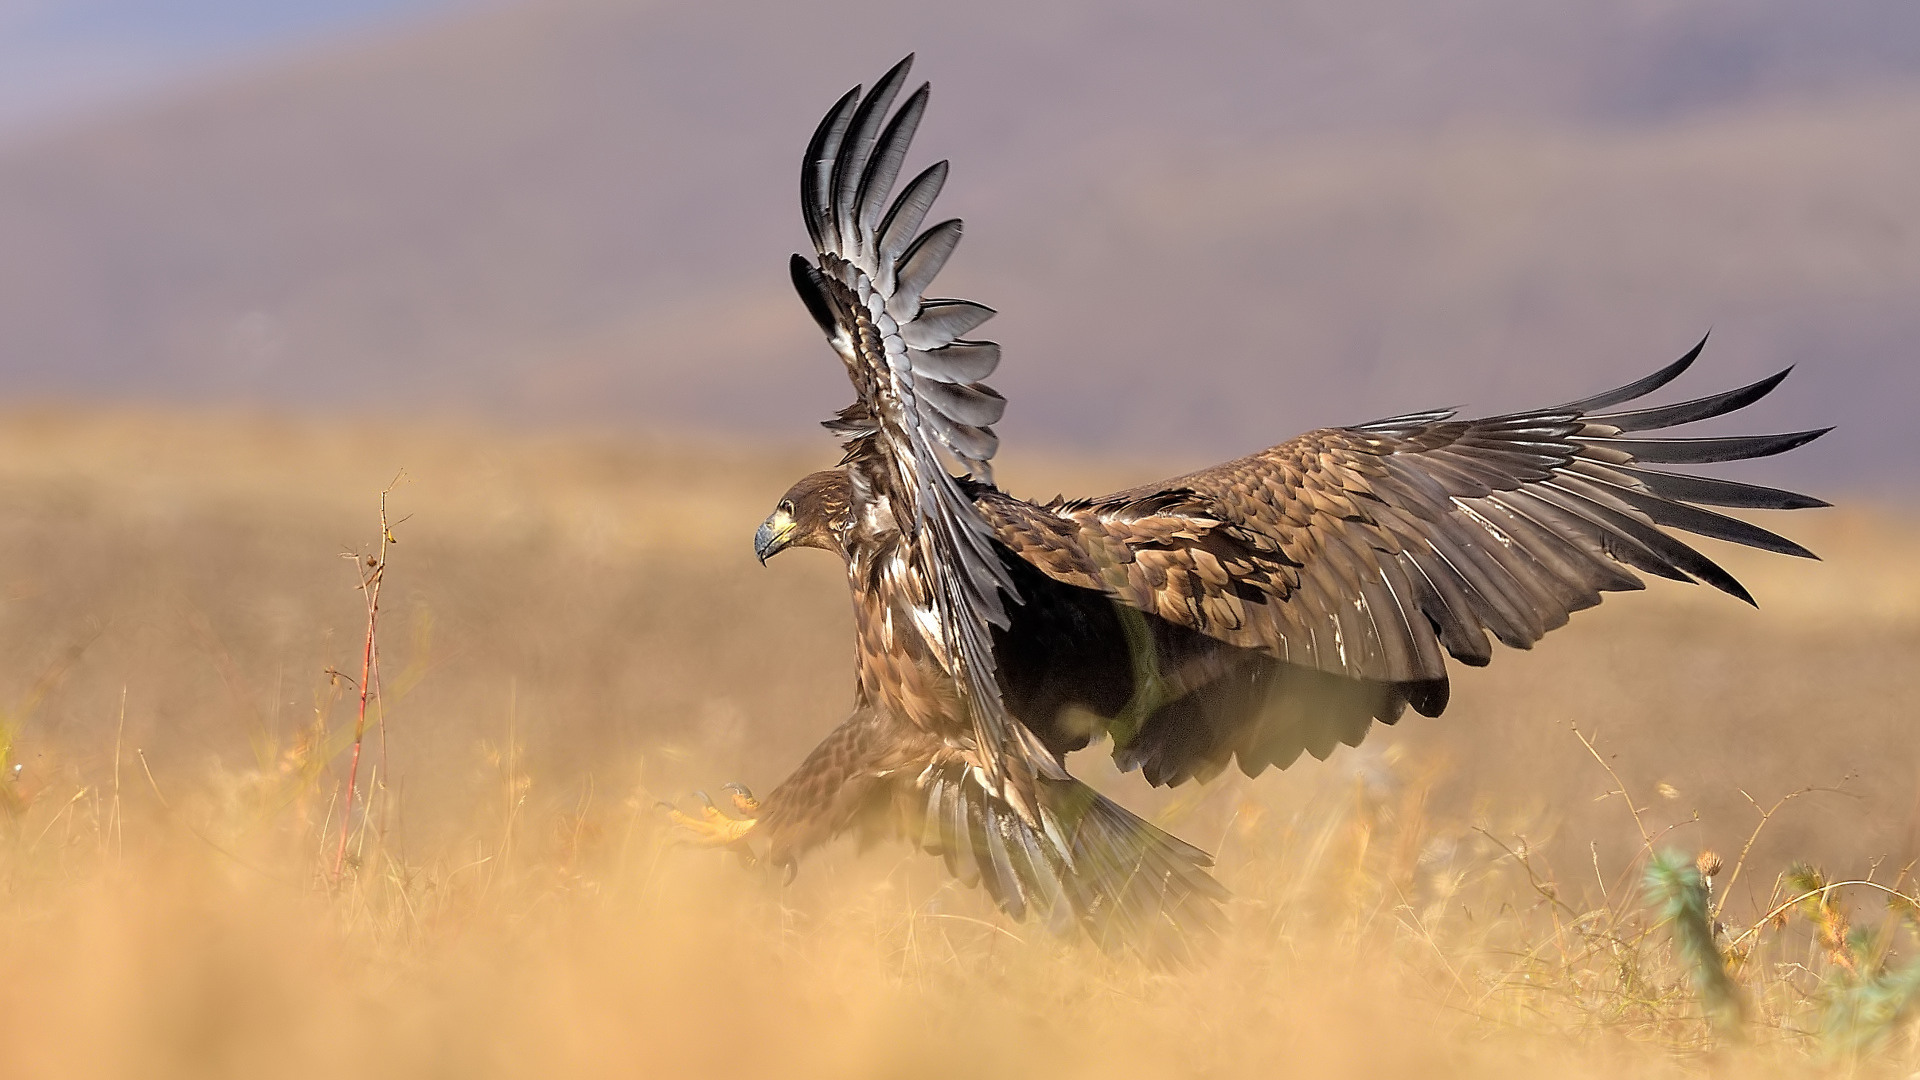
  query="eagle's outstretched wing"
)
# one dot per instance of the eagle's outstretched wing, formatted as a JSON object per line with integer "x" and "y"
{"x": 921, "y": 402}
{"x": 1372, "y": 552}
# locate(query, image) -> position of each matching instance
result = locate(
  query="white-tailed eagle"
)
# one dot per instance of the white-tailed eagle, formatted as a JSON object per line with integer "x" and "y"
{"x": 1270, "y": 606}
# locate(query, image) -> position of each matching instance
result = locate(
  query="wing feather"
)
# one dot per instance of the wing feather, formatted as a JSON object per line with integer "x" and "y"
{"x": 856, "y": 149}
{"x": 1370, "y": 552}
{"x": 968, "y": 404}
{"x": 941, "y": 322}
{"x": 816, "y": 174}
{"x": 957, "y": 362}
{"x": 1686, "y": 412}
{"x": 1715, "y": 492}
{"x": 920, "y": 402}
{"x": 1704, "y": 451}
{"x": 876, "y": 182}
{"x": 924, "y": 259}
{"x": 1637, "y": 389}
{"x": 909, "y": 211}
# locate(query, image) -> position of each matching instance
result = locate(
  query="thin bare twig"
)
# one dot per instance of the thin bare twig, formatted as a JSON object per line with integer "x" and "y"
{"x": 1823, "y": 892}
{"x": 370, "y": 580}
{"x": 151, "y": 782}
{"x": 116, "y": 828}
{"x": 1620, "y": 788}
{"x": 1766, "y": 815}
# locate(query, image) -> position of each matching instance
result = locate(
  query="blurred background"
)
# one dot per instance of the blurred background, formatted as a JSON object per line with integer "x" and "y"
{"x": 1207, "y": 227}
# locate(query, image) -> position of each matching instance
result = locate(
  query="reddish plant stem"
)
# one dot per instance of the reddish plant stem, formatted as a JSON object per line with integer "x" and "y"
{"x": 371, "y": 586}
{"x": 359, "y": 722}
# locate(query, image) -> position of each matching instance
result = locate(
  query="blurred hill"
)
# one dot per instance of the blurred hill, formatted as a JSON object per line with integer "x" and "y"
{"x": 1207, "y": 227}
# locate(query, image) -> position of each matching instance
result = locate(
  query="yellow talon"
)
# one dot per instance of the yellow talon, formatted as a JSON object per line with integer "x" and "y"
{"x": 743, "y": 800}
{"x": 709, "y": 811}
{"x": 713, "y": 828}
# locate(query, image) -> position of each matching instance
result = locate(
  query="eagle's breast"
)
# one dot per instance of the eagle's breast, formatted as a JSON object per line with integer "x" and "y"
{"x": 900, "y": 649}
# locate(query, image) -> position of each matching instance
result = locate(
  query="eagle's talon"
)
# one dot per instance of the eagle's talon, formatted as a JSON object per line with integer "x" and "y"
{"x": 708, "y": 810}
{"x": 714, "y": 827}
{"x": 743, "y": 799}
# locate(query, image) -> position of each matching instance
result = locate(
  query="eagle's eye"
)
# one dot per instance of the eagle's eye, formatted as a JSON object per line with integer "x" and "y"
{"x": 786, "y": 507}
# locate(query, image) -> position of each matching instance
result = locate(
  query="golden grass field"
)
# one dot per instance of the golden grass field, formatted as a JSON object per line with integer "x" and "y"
{"x": 573, "y": 628}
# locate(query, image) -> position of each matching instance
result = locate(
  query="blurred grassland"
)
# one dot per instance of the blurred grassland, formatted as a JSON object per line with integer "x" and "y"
{"x": 573, "y": 627}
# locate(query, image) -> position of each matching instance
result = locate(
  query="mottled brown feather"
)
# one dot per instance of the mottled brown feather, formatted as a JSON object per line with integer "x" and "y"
{"x": 1362, "y": 553}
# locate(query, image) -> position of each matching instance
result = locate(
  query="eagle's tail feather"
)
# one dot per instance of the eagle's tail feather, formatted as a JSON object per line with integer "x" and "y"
{"x": 1087, "y": 862}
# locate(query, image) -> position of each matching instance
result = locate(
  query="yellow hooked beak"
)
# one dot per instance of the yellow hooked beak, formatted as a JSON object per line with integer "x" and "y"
{"x": 773, "y": 536}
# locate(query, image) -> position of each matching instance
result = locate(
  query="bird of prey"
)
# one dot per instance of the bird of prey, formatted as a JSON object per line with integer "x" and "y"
{"x": 1244, "y": 614}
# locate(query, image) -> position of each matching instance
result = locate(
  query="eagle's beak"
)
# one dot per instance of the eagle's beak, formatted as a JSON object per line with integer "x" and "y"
{"x": 772, "y": 538}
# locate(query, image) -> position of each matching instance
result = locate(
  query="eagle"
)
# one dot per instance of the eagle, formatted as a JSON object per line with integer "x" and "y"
{"x": 1272, "y": 606}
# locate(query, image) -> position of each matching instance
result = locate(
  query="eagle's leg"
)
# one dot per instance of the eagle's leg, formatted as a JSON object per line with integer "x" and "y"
{"x": 1151, "y": 688}
{"x": 714, "y": 828}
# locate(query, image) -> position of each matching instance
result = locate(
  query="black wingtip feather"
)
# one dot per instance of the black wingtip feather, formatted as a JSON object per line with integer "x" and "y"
{"x": 1716, "y": 492}
{"x": 856, "y": 148}
{"x": 816, "y": 168}
{"x": 1705, "y": 451}
{"x": 883, "y": 166}
{"x": 1637, "y": 389}
{"x": 909, "y": 211}
{"x": 1686, "y": 412}
{"x": 1639, "y": 544}
{"x": 1428, "y": 697}
{"x": 1701, "y": 522}
{"x": 806, "y": 282}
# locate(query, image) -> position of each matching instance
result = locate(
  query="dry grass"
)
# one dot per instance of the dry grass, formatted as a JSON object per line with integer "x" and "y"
{"x": 574, "y": 627}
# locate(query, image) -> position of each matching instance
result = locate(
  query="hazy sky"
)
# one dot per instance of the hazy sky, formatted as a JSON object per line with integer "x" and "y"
{"x": 1205, "y": 227}
{"x": 58, "y": 57}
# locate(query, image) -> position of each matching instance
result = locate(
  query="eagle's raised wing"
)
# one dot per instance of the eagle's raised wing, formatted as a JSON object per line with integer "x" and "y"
{"x": 921, "y": 402}
{"x": 1369, "y": 551}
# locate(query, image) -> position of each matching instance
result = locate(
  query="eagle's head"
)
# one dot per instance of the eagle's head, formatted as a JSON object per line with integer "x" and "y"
{"x": 815, "y": 512}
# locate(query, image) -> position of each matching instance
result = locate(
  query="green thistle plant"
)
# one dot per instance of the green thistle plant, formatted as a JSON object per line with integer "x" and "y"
{"x": 1678, "y": 891}
{"x": 1862, "y": 1007}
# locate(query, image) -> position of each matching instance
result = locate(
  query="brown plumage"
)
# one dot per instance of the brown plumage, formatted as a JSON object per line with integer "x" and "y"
{"x": 1270, "y": 606}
